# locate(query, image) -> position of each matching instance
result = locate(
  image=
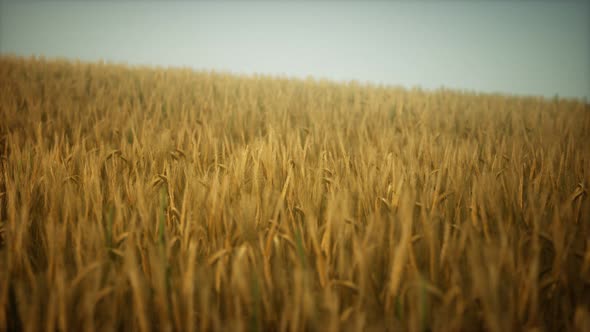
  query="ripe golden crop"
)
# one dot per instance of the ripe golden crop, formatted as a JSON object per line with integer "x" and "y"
{"x": 144, "y": 199}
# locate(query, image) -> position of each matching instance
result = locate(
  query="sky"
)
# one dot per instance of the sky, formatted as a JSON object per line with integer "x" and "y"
{"x": 513, "y": 47}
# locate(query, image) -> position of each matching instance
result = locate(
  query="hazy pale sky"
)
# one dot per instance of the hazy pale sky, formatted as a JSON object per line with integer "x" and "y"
{"x": 517, "y": 47}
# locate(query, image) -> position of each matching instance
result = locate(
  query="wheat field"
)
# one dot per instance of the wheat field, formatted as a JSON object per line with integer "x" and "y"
{"x": 165, "y": 199}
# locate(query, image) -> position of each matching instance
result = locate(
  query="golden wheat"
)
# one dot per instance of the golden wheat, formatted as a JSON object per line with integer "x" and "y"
{"x": 135, "y": 198}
